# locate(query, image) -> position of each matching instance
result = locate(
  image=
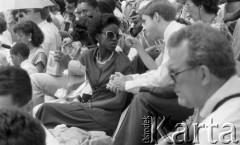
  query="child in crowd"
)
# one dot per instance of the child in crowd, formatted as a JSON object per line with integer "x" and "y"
{"x": 19, "y": 54}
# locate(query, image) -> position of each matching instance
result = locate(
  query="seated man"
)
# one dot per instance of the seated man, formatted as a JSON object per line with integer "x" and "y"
{"x": 18, "y": 128}
{"x": 158, "y": 20}
{"x": 203, "y": 69}
{"x": 16, "y": 93}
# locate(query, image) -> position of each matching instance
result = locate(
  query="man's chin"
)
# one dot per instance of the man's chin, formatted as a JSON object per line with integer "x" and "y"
{"x": 184, "y": 104}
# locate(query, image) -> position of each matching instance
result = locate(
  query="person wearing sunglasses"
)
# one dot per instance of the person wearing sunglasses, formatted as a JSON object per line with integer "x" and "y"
{"x": 102, "y": 108}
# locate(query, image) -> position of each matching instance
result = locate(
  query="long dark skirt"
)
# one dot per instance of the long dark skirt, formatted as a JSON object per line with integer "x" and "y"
{"x": 53, "y": 114}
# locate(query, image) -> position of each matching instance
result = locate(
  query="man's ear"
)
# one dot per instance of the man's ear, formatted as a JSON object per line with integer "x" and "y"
{"x": 205, "y": 75}
{"x": 157, "y": 17}
{"x": 18, "y": 55}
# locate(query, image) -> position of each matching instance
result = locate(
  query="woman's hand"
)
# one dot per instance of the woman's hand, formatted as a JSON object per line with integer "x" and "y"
{"x": 62, "y": 58}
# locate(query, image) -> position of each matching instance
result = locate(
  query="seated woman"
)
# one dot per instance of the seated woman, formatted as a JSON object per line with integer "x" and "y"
{"x": 45, "y": 84}
{"x": 205, "y": 11}
{"x": 30, "y": 34}
{"x": 102, "y": 110}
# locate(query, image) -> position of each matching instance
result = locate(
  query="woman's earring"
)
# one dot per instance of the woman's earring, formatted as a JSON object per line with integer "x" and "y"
{"x": 29, "y": 39}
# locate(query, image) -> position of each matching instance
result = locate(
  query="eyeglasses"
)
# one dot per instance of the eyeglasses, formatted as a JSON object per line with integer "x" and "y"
{"x": 18, "y": 17}
{"x": 174, "y": 75}
{"x": 111, "y": 35}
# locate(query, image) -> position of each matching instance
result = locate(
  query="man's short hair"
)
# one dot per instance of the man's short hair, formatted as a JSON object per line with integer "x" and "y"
{"x": 163, "y": 7}
{"x": 18, "y": 128}
{"x": 16, "y": 83}
{"x": 206, "y": 46}
{"x": 92, "y": 3}
{"x": 20, "y": 48}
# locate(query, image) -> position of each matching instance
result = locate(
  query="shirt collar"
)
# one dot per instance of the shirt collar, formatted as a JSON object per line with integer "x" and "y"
{"x": 171, "y": 28}
{"x": 229, "y": 88}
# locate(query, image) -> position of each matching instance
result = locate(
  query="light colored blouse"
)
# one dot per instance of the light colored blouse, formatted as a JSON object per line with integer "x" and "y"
{"x": 38, "y": 56}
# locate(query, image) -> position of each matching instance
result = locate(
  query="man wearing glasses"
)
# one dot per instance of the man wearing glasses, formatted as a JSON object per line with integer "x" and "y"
{"x": 202, "y": 66}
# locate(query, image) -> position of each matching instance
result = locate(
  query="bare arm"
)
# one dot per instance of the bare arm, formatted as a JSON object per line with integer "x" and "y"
{"x": 146, "y": 58}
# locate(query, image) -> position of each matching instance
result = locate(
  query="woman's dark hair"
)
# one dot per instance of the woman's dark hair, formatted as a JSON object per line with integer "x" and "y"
{"x": 99, "y": 22}
{"x": 80, "y": 31}
{"x": 3, "y": 25}
{"x": 210, "y": 6}
{"x": 106, "y": 6}
{"x": 28, "y": 27}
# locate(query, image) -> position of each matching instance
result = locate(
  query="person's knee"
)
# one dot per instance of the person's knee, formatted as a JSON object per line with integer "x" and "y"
{"x": 142, "y": 97}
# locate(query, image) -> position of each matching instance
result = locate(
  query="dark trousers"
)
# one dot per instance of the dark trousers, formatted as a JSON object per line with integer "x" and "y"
{"x": 143, "y": 105}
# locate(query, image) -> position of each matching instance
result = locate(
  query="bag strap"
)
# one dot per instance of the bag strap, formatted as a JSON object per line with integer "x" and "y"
{"x": 225, "y": 100}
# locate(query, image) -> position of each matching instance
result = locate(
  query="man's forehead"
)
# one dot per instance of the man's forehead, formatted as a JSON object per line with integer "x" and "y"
{"x": 145, "y": 17}
{"x": 178, "y": 55}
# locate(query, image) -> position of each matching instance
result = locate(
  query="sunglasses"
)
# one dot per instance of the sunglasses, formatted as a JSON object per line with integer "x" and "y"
{"x": 19, "y": 16}
{"x": 111, "y": 35}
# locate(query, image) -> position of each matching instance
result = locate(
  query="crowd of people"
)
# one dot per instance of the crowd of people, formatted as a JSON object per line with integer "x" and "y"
{"x": 141, "y": 71}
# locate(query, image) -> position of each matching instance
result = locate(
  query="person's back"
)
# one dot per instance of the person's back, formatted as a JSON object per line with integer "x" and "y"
{"x": 16, "y": 93}
{"x": 52, "y": 39}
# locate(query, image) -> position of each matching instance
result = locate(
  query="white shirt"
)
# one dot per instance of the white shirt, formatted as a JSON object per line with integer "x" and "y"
{"x": 52, "y": 38}
{"x": 29, "y": 67}
{"x": 159, "y": 77}
{"x": 228, "y": 112}
{"x": 8, "y": 35}
{"x": 59, "y": 17}
{"x": 50, "y": 140}
{"x": 6, "y": 53}
{"x": 4, "y": 39}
